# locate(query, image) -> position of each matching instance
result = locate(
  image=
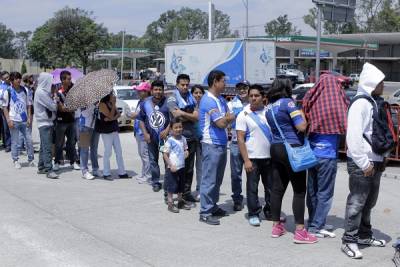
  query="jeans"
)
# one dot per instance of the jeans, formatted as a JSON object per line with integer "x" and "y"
{"x": 21, "y": 139}
{"x": 214, "y": 163}
{"x": 84, "y": 151}
{"x": 189, "y": 167}
{"x": 6, "y": 132}
{"x": 360, "y": 201}
{"x": 320, "y": 188}
{"x": 261, "y": 167}
{"x": 154, "y": 152}
{"x": 65, "y": 130}
{"x": 111, "y": 141}
{"x": 46, "y": 143}
{"x": 20, "y": 127}
{"x": 236, "y": 163}
{"x": 144, "y": 156}
{"x": 198, "y": 166}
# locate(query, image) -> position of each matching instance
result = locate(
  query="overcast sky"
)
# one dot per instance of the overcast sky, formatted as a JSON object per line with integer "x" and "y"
{"x": 135, "y": 15}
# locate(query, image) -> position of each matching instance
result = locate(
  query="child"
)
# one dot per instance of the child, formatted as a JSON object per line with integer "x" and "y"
{"x": 175, "y": 151}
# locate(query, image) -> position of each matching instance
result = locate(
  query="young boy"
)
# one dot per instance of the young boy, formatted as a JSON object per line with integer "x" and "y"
{"x": 175, "y": 151}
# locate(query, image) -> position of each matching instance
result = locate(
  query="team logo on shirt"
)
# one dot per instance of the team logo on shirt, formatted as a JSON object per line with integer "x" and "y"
{"x": 19, "y": 107}
{"x": 157, "y": 120}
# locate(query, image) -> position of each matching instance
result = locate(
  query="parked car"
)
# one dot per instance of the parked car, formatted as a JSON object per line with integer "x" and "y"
{"x": 128, "y": 95}
{"x": 287, "y": 74}
{"x": 293, "y": 68}
{"x": 394, "y": 99}
{"x": 344, "y": 80}
{"x": 124, "y": 120}
{"x": 355, "y": 77}
{"x": 300, "y": 90}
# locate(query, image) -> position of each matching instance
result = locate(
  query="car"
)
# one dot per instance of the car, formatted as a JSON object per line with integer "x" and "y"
{"x": 293, "y": 68}
{"x": 128, "y": 95}
{"x": 124, "y": 120}
{"x": 355, "y": 77}
{"x": 300, "y": 90}
{"x": 286, "y": 74}
{"x": 344, "y": 80}
{"x": 394, "y": 99}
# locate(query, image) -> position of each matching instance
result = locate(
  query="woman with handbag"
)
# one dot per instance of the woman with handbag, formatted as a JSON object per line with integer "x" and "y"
{"x": 287, "y": 124}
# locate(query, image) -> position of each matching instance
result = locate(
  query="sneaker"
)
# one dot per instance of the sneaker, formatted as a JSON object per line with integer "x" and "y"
{"x": 211, "y": 220}
{"x": 220, "y": 213}
{"x": 352, "y": 251}
{"x": 108, "y": 178}
{"x": 237, "y": 206}
{"x": 254, "y": 221}
{"x": 75, "y": 166}
{"x": 278, "y": 230}
{"x": 56, "y": 167}
{"x": 304, "y": 237}
{"x": 42, "y": 171}
{"x": 184, "y": 205}
{"x": 372, "y": 242}
{"x": 124, "y": 176}
{"x": 156, "y": 187}
{"x": 31, "y": 163}
{"x": 97, "y": 173}
{"x": 189, "y": 198}
{"x": 172, "y": 208}
{"x": 324, "y": 233}
{"x": 17, "y": 165}
{"x": 88, "y": 176}
{"x": 52, "y": 175}
{"x": 141, "y": 180}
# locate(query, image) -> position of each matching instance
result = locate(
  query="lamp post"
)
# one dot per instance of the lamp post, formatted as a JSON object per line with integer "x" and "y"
{"x": 246, "y": 5}
{"x": 122, "y": 54}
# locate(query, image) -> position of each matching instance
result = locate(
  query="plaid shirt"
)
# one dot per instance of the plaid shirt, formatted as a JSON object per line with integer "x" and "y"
{"x": 325, "y": 106}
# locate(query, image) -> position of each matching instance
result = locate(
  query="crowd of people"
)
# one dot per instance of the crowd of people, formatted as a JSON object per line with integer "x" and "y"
{"x": 189, "y": 128}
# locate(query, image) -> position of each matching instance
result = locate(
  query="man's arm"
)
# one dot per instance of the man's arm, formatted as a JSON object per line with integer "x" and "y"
{"x": 248, "y": 165}
{"x": 225, "y": 121}
{"x": 146, "y": 135}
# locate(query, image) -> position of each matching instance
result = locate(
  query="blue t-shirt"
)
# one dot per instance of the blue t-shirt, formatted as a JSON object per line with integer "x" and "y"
{"x": 155, "y": 117}
{"x": 324, "y": 145}
{"x": 212, "y": 109}
{"x": 288, "y": 115}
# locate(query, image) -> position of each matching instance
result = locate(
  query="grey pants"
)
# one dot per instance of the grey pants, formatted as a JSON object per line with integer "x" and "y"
{"x": 144, "y": 155}
{"x": 362, "y": 198}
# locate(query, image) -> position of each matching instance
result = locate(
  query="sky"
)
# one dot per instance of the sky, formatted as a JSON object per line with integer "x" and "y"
{"x": 134, "y": 15}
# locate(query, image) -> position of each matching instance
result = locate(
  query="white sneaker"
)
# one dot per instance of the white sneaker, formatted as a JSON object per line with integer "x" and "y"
{"x": 31, "y": 164}
{"x": 75, "y": 166}
{"x": 373, "y": 242}
{"x": 352, "y": 251}
{"x": 56, "y": 167}
{"x": 325, "y": 233}
{"x": 17, "y": 165}
{"x": 141, "y": 180}
{"x": 88, "y": 176}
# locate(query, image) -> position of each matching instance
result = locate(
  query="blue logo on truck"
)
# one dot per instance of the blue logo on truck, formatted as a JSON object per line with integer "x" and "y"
{"x": 176, "y": 64}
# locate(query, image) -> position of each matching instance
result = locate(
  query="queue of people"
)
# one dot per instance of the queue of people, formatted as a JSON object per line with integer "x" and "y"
{"x": 190, "y": 129}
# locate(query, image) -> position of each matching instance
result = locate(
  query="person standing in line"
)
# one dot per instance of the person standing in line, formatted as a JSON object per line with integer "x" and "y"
{"x": 107, "y": 125}
{"x": 143, "y": 90}
{"x": 236, "y": 161}
{"x": 326, "y": 126}
{"x": 65, "y": 126}
{"x": 45, "y": 104}
{"x": 198, "y": 92}
{"x": 181, "y": 104}
{"x": 364, "y": 166}
{"x": 282, "y": 110}
{"x": 214, "y": 118}
{"x": 254, "y": 136}
{"x": 4, "y": 88}
{"x": 27, "y": 82}
{"x": 175, "y": 151}
{"x": 17, "y": 109}
{"x": 154, "y": 123}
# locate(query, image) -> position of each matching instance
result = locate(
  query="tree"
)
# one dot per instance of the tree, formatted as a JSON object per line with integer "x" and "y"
{"x": 23, "y": 67}
{"x": 21, "y": 43}
{"x": 281, "y": 26}
{"x": 68, "y": 39}
{"x": 387, "y": 19}
{"x": 7, "y": 49}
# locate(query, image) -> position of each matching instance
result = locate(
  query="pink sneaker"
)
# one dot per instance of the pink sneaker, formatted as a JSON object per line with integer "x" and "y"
{"x": 303, "y": 237}
{"x": 278, "y": 230}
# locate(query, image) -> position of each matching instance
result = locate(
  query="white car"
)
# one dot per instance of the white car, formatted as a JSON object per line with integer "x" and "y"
{"x": 394, "y": 99}
{"x": 300, "y": 90}
{"x": 355, "y": 77}
{"x": 128, "y": 95}
{"x": 124, "y": 120}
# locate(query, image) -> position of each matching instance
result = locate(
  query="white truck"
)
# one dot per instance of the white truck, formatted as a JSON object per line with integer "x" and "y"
{"x": 240, "y": 59}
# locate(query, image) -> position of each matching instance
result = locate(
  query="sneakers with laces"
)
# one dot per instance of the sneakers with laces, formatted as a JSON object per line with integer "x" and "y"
{"x": 254, "y": 221}
{"x": 88, "y": 176}
{"x": 56, "y": 167}
{"x": 324, "y": 233}
{"x": 278, "y": 230}
{"x": 17, "y": 165}
{"x": 373, "y": 242}
{"x": 75, "y": 166}
{"x": 352, "y": 251}
{"x": 304, "y": 237}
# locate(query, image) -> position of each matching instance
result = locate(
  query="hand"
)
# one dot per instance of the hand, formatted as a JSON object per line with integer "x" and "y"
{"x": 177, "y": 113}
{"x": 147, "y": 138}
{"x": 230, "y": 117}
{"x": 370, "y": 171}
{"x": 10, "y": 124}
{"x": 172, "y": 168}
{"x": 186, "y": 154}
{"x": 248, "y": 166}
{"x": 164, "y": 134}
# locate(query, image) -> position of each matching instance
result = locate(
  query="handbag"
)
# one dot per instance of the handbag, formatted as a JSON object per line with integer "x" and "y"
{"x": 300, "y": 158}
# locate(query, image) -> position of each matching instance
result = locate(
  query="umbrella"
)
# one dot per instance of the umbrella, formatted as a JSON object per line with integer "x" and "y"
{"x": 91, "y": 89}
{"x": 75, "y": 74}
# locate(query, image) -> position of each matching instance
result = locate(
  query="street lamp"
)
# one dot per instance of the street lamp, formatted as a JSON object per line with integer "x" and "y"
{"x": 246, "y": 5}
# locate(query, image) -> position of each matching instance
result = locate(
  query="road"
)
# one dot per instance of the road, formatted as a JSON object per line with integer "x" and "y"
{"x": 75, "y": 222}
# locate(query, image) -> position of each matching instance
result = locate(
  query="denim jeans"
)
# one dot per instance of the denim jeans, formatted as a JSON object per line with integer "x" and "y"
{"x": 189, "y": 167}
{"x": 320, "y": 188}
{"x": 236, "y": 163}
{"x": 84, "y": 151}
{"x": 143, "y": 152}
{"x": 214, "y": 163}
{"x": 360, "y": 201}
{"x": 6, "y": 132}
{"x": 22, "y": 141}
{"x": 154, "y": 152}
{"x": 111, "y": 141}
{"x": 46, "y": 143}
{"x": 198, "y": 166}
{"x": 65, "y": 130}
{"x": 261, "y": 168}
{"x": 20, "y": 127}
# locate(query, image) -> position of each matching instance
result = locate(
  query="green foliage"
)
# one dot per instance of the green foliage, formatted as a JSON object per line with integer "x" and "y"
{"x": 7, "y": 49}
{"x": 281, "y": 26}
{"x": 23, "y": 67}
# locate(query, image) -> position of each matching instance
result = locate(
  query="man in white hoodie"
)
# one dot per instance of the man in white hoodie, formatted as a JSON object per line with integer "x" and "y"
{"x": 45, "y": 104}
{"x": 363, "y": 165}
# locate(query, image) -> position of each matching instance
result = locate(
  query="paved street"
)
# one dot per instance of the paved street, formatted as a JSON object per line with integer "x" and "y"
{"x": 75, "y": 222}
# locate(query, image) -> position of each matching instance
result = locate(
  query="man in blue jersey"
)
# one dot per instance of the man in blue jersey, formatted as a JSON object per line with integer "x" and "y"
{"x": 4, "y": 86}
{"x": 214, "y": 118}
{"x": 154, "y": 123}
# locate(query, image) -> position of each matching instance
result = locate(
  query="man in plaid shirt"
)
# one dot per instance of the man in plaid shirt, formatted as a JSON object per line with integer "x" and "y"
{"x": 325, "y": 106}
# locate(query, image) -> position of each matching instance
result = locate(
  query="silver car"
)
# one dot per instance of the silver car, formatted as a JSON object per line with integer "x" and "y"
{"x": 124, "y": 120}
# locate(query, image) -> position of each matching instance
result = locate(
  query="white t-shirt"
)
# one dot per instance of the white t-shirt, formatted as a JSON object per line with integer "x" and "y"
{"x": 176, "y": 149}
{"x": 18, "y": 111}
{"x": 257, "y": 144}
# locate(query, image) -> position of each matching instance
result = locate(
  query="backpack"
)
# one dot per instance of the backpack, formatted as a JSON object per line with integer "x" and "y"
{"x": 383, "y": 135}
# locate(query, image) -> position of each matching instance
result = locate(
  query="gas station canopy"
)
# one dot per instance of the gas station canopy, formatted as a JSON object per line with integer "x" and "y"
{"x": 117, "y": 53}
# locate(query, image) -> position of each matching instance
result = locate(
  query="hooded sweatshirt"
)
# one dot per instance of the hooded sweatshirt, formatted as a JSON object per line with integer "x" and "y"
{"x": 45, "y": 106}
{"x": 360, "y": 119}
